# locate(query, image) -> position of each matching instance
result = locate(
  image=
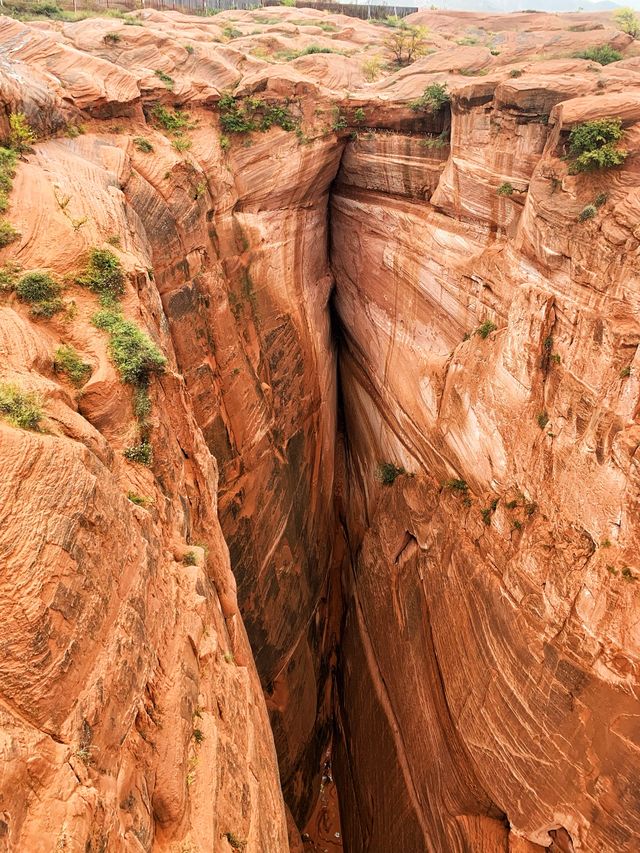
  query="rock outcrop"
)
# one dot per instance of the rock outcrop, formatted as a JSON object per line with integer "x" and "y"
{"x": 396, "y": 438}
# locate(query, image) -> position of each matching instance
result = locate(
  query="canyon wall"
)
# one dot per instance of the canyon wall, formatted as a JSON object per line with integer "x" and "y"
{"x": 395, "y": 439}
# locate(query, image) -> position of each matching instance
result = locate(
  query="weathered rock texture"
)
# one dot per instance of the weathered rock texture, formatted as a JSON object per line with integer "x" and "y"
{"x": 477, "y": 616}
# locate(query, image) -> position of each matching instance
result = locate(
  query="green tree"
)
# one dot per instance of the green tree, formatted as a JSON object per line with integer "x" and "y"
{"x": 628, "y": 21}
{"x": 406, "y": 43}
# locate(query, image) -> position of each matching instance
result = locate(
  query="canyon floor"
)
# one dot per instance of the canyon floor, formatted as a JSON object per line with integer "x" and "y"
{"x": 319, "y": 435}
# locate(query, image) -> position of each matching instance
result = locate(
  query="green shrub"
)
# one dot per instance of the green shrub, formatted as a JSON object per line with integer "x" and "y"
{"x": 67, "y": 361}
{"x": 627, "y": 574}
{"x": 625, "y": 372}
{"x": 190, "y": 559}
{"x": 233, "y": 839}
{"x": 252, "y": 114}
{"x": 143, "y": 144}
{"x": 359, "y": 115}
{"x": 587, "y": 212}
{"x": 134, "y": 354}
{"x": 139, "y": 500}
{"x": 198, "y": 735}
{"x": 592, "y": 145}
{"x": 433, "y": 98}
{"x": 387, "y": 473}
{"x": 225, "y": 143}
{"x": 104, "y": 275}
{"x": 505, "y": 189}
{"x": 175, "y": 122}
{"x": 600, "y": 199}
{"x": 339, "y": 121}
{"x": 181, "y": 144}
{"x": 628, "y": 21}
{"x": 543, "y": 420}
{"x": 456, "y": 485}
{"x": 141, "y": 453}
{"x": 8, "y": 277}
{"x": 485, "y": 329}
{"x": 47, "y": 309}
{"x": 141, "y": 404}
{"x": 190, "y": 49}
{"x": 21, "y": 408}
{"x": 602, "y": 53}
{"x": 168, "y": 81}
{"x": 516, "y": 72}
{"x": 21, "y": 135}
{"x": 112, "y": 38}
{"x": 37, "y": 287}
{"x": 8, "y": 160}
{"x": 8, "y": 233}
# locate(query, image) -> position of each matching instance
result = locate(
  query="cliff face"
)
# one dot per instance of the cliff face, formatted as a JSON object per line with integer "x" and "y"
{"x": 477, "y": 614}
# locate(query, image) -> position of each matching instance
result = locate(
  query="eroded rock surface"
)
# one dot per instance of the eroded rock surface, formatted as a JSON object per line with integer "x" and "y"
{"x": 477, "y": 616}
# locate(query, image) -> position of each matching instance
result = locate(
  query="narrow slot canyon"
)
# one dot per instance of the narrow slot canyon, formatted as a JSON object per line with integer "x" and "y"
{"x": 350, "y": 563}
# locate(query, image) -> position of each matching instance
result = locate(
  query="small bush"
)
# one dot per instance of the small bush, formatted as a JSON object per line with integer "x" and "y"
{"x": 371, "y": 69}
{"x": 8, "y": 233}
{"x": 8, "y": 160}
{"x": 168, "y": 81}
{"x": 8, "y": 277}
{"x": 387, "y": 473}
{"x": 111, "y": 38}
{"x": 359, "y": 115}
{"x": 603, "y": 53}
{"x": 516, "y": 72}
{"x": 592, "y": 145}
{"x": 104, "y": 275}
{"x": 587, "y": 212}
{"x": 21, "y": 135}
{"x": 181, "y": 144}
{"x": 627, "y": 574}
{"x": 225, "y": 143}
{"x": 339, "y": 121}
{"x": 190, "y": 559}
{"x": 600, "y": 199}
{"x": 456, "y": 485}
{"x": 139, "y": 500}
{"x": 134, "y": 354}
{"x": 141, "y": 453}
{"x": 485, "y": 329}
{"x": 233, "y": 839}
{"x": 433, "y": 98}
{"x": 143, "y": 144}
{"x": 67, "y": 361}
{"x": 37, "y": 287}
{"x": 21, "y": 408}
{"x": 486, "y": 515}
{"x": 175, "y": 122}
{"x": 505, "y": 189}
{"x": 543, "y": 420}
{"x": 190, "y": 49}
{"x": 625, "y": 372}
{"x": 198, "y": 735}
{"x": 141, "y": 404}
{"x": 628, "y": 21}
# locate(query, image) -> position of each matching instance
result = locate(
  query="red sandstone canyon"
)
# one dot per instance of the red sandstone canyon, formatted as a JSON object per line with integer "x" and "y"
{"x": 319, "y": 434}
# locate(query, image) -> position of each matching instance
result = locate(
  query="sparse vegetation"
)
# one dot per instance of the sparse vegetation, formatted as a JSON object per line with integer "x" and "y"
{"x": 8, "y": 233}
{"x": 182, "y": 143}
{"x": 39, "y": 290}
{"x": 21, "y": 134}
{"x": 602, "y": 53}
{"x": 542, "y": 419}
{"x": 593, "y": 145}
{"x": 587, "y": 212}
{"x": 387, "y": 473}
{"x": 190, "y": 559}
{"x": 406, "y": 43}
{"x": 143, "y": 144}
{"x": 8, "y": 160}
{"x": 456, "y": 485}
{"x": 111, "y": 38}
{"x": 198, "y": 735}
{"x": 516, "y": 72}
{"x": 169, "y": 82}
{"x": 359, "y": 115}
{"x": 233, "y": 839}
{"x": 371, "y": 68}
{"x": 433, "y": 98}
{"x": 225, "y": 143}
{"x": 190, "y": 49}
{"x": 485, "y": 329}
{"x": 244, "y": 115}
{"x": 23, "y": 409}
{"x": 141, "y": 453}
{"x": 175, "y": 122}
{"x": 625, "y": 372}
{"x": 68, "y": 362}
{"x": 104, "y": 275}
{"x": 134, "y": 354}
{"x": 505, "y": 189}
{"x": 627, "y": 574}
{"x": 139, "y": 500}
{"x": 628, "y": 21}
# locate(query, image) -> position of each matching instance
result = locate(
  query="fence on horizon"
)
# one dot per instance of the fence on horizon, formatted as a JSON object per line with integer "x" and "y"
{"x": 204, "y": 7}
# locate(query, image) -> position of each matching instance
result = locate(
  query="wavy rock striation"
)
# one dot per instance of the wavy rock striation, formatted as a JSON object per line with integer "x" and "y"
{"x": 339, "y": 280}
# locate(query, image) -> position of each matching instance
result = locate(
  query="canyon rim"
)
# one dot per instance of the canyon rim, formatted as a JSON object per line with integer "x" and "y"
{"x": 319, "y": 433}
